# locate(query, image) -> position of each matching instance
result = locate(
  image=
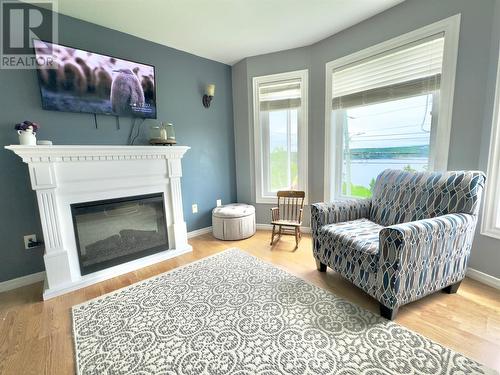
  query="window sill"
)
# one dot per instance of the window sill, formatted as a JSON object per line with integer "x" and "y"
{"x": 491, "y": 232}
{"x": 272, "y": 200}
{"x": 267, "y": 200}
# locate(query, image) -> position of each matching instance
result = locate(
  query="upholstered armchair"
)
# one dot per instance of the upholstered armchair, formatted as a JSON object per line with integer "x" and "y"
{"x": 412, "y": 238}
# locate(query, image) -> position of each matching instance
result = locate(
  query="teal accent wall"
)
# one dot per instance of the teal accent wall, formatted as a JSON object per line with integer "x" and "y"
{"x": 208, "y": 168}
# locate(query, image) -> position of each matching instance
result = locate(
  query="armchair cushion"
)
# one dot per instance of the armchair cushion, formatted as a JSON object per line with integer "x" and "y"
{"x": 361, "y": 235}
{"x": 335, "y": 212}
{"x": 359, "y": 241}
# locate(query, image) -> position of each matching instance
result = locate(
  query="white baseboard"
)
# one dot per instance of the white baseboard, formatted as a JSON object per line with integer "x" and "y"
{"x": 22, "y": 281}
{"x": 483, "y": 278}
{"x": 270, "y": 227}
{"x": 114, "y": 271}
{"x": 40, "y": 276}
{"x": 199, "y": 232}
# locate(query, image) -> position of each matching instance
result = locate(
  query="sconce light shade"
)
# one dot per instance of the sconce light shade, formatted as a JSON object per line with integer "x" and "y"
{"x": 209, "y": 94}
{"x": 210, "y": 90}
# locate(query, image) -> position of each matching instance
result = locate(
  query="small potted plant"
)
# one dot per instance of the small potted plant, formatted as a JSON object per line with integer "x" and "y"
{"x": 27, "y": 132}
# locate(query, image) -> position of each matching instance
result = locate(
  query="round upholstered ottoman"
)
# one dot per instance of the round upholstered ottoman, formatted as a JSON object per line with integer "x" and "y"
{"x": 234, "y": 221}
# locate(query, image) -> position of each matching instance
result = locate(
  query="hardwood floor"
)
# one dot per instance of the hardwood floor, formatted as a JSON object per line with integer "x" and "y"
{"x": 35, "y": 336}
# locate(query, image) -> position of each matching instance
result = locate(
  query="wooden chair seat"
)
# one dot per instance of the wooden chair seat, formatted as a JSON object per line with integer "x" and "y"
{"x": 287, "y": 216}
{"x": 289, "y": 223}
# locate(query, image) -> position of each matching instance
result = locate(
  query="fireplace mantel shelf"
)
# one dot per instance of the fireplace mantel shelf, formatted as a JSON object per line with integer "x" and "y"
{"x": 74, "y": 153}
{"x": 64, "y": 175}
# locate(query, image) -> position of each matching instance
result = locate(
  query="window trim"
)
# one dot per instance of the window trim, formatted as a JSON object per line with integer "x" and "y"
{"x": 491, "y": 209}
{"x": 439, "y": 155}
{"x": 302, "y": 132}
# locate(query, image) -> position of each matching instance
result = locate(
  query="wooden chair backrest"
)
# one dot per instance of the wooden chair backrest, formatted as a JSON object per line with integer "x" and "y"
{"x": 290, "y": 204}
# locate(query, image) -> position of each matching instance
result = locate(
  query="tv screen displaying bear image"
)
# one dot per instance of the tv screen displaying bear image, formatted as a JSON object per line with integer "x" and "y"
{"x": 83, "y": 81}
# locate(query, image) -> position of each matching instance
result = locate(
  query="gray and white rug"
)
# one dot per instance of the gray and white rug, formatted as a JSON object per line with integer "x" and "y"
{"x": 235, "y": 314}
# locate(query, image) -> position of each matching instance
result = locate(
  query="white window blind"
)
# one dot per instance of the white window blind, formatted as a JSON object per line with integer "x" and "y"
{"x": 409, "y": 70}
{"x": 280, "y": 95}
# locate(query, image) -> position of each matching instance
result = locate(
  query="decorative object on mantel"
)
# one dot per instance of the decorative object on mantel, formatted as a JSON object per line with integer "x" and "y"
{"x": 43, "y": 143}
{"x": 166, "y": 135}
{"x": 162, "y": 142}
{"x": 209, "y": 95}
{"x": 27, "y": 132}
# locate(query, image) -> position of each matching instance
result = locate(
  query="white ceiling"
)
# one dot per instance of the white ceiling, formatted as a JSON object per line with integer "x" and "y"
{"x": 227, "y": 30}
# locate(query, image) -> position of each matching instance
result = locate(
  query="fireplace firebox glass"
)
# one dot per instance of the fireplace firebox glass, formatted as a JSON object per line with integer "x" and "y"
{"x": 115, "y": 231}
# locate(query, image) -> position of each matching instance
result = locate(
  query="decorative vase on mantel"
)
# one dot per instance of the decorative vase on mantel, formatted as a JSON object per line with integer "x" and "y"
{"x": 27, "y": 132}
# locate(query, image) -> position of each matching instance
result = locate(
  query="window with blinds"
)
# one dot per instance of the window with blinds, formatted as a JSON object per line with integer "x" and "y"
{"x": 280, "y": 121}
{"x": 384, "y": 111}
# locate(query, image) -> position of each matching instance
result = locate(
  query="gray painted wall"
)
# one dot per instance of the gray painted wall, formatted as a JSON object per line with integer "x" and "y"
{"x": 486, "y": 252}
{"x": 470, "y": 128}
{"x": 208, "y": 168}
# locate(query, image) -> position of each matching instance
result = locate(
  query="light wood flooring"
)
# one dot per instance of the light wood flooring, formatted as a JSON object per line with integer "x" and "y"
{"x": 35, "y": 336}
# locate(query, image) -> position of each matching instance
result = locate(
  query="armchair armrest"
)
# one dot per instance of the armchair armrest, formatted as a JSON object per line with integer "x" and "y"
{"x": 420, "y": 257}
{"x": 338, "y": 211}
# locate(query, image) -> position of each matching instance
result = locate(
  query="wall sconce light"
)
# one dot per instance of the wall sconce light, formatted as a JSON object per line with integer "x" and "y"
{"x": 209, "y": 95}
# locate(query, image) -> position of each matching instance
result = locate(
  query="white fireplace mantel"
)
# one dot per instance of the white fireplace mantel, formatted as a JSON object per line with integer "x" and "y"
{"x": 63, "y": 175}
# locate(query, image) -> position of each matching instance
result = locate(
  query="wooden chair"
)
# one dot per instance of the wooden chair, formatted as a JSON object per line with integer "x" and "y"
{"x": 287, "y": 216}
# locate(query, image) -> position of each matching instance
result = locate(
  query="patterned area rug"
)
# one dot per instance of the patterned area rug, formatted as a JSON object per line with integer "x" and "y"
{"x": 235, "y": 314}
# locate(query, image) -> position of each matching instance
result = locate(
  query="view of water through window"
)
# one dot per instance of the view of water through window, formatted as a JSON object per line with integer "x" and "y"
{"x": 394, "y": 134}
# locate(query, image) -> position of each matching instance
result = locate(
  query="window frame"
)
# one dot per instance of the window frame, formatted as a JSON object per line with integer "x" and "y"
{"x": 302, "y": 130}
{"x": 490, "y": 226}
{"x": 450, "y": 27}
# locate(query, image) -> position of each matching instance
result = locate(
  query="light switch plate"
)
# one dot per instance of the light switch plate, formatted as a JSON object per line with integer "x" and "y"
{"x": 219, "y": 202}
{"x": 194, "y": 208}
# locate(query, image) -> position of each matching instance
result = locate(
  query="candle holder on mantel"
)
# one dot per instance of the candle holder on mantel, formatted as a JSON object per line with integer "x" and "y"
{"x": 166, "y": 136}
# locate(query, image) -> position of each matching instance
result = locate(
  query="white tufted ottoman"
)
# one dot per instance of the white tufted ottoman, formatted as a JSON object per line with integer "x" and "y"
{"x": 234, "y": 221}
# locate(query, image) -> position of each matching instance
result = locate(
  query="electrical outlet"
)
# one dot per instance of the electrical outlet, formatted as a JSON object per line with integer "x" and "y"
{"x": 219, "y": 202}
{"x": 27, "y": 239}
{"x": 194, "y": 208}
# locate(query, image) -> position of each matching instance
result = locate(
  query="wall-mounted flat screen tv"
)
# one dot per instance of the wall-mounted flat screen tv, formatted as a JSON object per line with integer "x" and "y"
{"x": 83, "y": 81}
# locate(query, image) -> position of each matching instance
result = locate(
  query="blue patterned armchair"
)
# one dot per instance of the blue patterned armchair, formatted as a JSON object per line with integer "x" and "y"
{"x": 412, "y": 238}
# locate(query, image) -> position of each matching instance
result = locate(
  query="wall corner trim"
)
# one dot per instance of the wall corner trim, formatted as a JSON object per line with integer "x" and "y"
{"x": 483, "y": 278}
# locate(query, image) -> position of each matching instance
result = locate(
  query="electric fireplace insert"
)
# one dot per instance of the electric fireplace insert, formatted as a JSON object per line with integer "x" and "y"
{"x": 114, "y": 231}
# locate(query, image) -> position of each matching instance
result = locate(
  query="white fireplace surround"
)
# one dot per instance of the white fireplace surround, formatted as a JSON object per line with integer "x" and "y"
{"x": 63, "y": 175}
